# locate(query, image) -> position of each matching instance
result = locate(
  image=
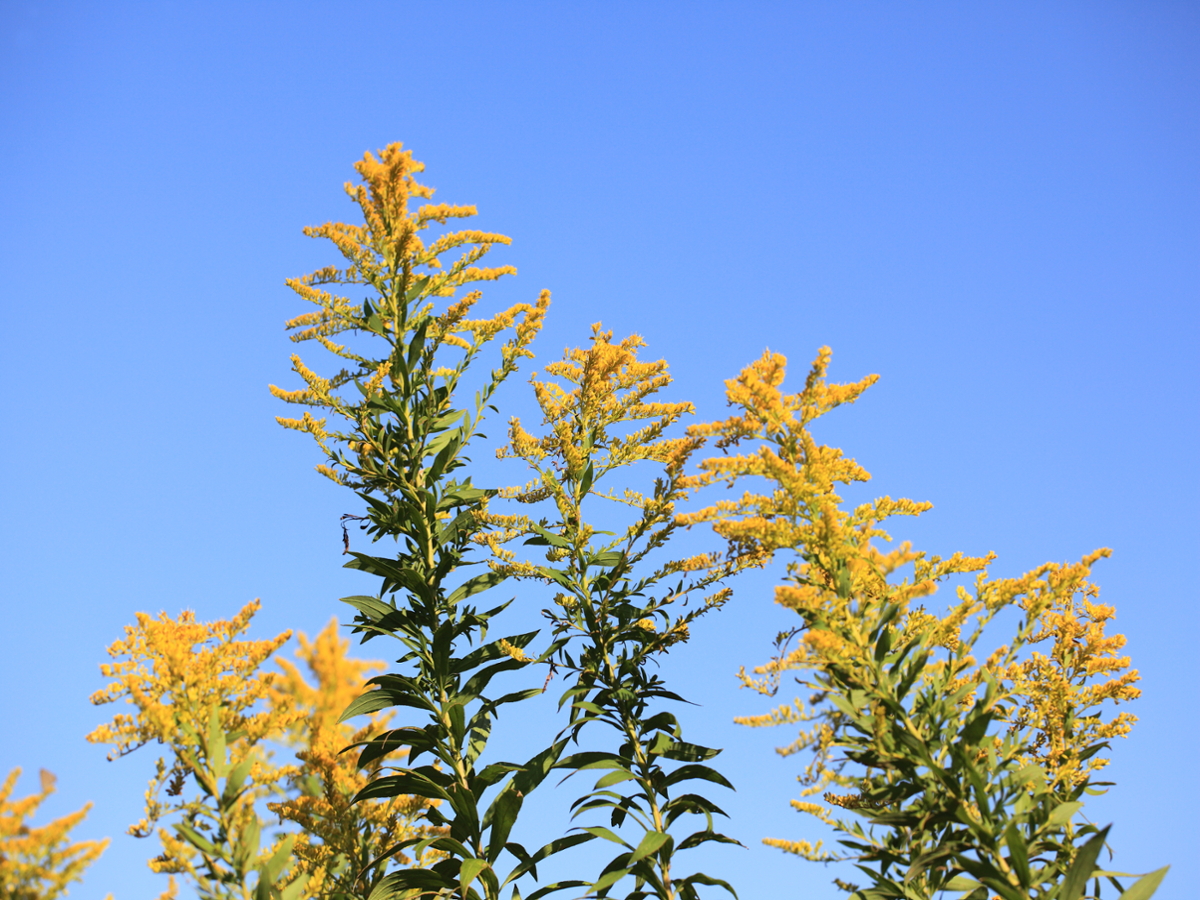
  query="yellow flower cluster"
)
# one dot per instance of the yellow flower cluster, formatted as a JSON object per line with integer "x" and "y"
{"x": 513, "y": 652}
{"x": 38, "y": 863}
{"x": 189, "y": 680}
{"x": 175, "y": 672}
{"x": 610, "y": 387}
{"x": 804, "y": 849}
{"x": 387, "y": 254}
{"x": 595, "y": 413}
{"x": 1064, "y": 689}
{"x": 186, "y": 681}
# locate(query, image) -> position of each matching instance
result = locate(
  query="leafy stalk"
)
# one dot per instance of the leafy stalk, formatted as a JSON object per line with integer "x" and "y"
{"x": 405, "y": 444}
{"x": 614, "y": 613}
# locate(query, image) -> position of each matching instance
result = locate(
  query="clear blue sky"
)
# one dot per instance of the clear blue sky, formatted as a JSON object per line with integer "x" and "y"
{"x": 993, "y": 205}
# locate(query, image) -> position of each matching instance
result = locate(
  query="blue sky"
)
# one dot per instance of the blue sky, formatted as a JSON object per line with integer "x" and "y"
{"x": 992, "y": 205}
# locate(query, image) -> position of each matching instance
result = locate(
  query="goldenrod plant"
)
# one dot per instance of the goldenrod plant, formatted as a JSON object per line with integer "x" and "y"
{"x": 39, "y": 862}
{"x": 939, "y": 770}
{"x": 201, "y": 691}
{"x": 402, "y": 451}
{"x": 619, "y": 605}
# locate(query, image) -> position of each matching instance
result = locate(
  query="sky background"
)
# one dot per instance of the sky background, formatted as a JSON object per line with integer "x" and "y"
{"x": 992, "y": 205}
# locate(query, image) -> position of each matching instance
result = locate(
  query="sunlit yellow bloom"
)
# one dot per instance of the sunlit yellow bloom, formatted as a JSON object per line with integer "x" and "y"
{"x": 178, "y": 674}
{"x": 387, "y": 254}
{"x": 39, "y": 862}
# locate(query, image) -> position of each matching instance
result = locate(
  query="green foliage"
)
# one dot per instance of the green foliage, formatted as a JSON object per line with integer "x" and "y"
{"x": 225, "y": 831}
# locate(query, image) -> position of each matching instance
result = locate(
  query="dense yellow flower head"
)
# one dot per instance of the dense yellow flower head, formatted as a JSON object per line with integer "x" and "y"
{"x": 39, "y": 862}
{"x": 188, "y": 681}
{"x": 175, "y": 672}
{"x": 387, "y": 257}
{"x": 600, "y": 420}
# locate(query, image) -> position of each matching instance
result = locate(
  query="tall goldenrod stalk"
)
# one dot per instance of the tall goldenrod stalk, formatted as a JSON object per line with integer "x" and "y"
{"x": 617, "y": 606}
{"x": 939, "y": 771}
{"x": 402, "y": 448}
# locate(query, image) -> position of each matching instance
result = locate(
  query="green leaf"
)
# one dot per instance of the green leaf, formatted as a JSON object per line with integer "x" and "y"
{"x": 415, "y": 290}
{"x": 961, "y": 883}
{"x": 701, "y": 878}
{"x": 704, "y": 837}
{"x": 245, "y": 845}
{"x": 371, "y": 606}
{"x": 686, "y": 773}
{"x": 492, "y": 651}
{"x": 585, "y": 482}
{"x": 685, "y": 752}
{"x": 477, "y": 682}
{"x": 397, "y": 883}
{"x": 404, "y": 783}
{"x": 471, "y": 868}
{"x": 1063, "y": 813}
{"x": 649, "y": 843}
{"x": 884, "y": 642}
{"x": 614, "y": 778}
{"x": 605, "y": 560}
{"x": 380, "y": 746}
{"x": 375, "y": 700}
{"x": 479, "y": 730}
{"x": 609, "y": 879}
{"x": 390, "y": 571}
{"x": 1083, "y": 866}
{"x": 691, "y": 803}
{"x": 273, "y": 868}
{"x": 1019, "y": 853}
{"x": 547, "y": 538}
{"x": 233, "y": 784}
{"x": 602, "y": 832}
{"x": 538, "y": 767}
{"x": 476, "y": 585}
{"x": 593, "y": 759}
{"x": 215, "y": 745}
{"x": 296, "y": 889}
{"x": 976, "y": 729}
{"x": 196, "y": 839}
{"x": 1145, "y": 886}
{"x": 927, "y": 859}
{"x": 501, "y": 815}
{"x": 553, "y": 888}
{"x": 1028, "y": 773}
{"x": 915, "y": 667}
{"x": 529, "y": 862}
{"x": 558, "y": 576}
{"x": 437, "y": 842}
